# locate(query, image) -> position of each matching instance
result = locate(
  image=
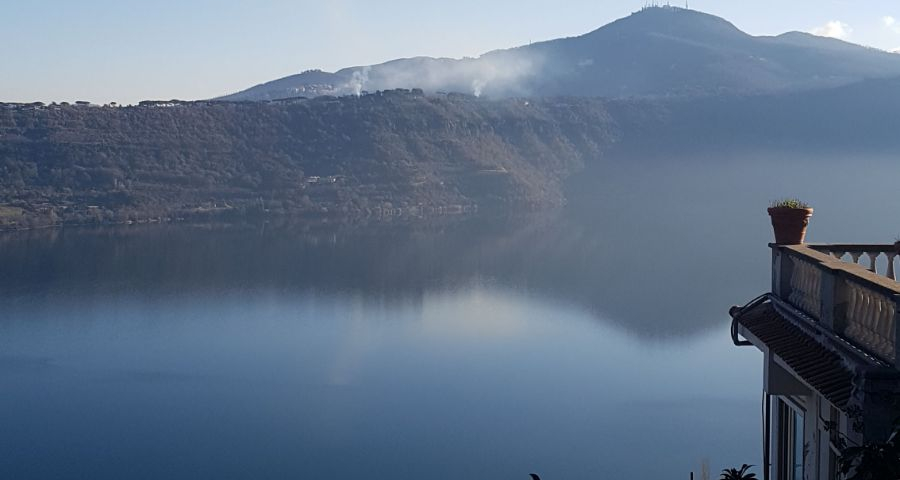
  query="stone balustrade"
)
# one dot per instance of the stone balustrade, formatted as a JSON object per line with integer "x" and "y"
{"x": 852, "y": 300}
{"x": 874, "y": 255}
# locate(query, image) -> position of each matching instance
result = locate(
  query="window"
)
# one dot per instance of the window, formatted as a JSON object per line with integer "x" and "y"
{"x": 790, "y": 441}
{"x": 833, "y": 441}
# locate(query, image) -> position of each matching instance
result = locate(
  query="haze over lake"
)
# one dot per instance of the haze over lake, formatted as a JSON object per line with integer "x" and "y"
{"x": 590, "y": 342}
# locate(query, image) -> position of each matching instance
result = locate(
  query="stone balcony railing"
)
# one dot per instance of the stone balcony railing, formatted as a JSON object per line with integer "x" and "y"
{"x": 857, "y": 302}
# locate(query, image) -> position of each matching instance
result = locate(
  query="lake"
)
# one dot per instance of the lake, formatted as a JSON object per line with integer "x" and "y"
{"x": 589, "y": 343}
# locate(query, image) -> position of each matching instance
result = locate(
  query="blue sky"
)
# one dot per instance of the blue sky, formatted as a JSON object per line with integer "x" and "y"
{"x": 125, "y": 51}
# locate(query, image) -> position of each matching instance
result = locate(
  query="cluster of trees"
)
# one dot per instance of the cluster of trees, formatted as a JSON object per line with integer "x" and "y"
{"x": 379, "y": 153}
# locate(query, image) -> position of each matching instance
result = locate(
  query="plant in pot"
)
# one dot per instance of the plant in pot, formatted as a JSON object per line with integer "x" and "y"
{"x": 790, "y": 217}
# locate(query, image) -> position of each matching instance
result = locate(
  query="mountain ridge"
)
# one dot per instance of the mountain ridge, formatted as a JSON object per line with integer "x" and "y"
{"x": 659, "y": 51}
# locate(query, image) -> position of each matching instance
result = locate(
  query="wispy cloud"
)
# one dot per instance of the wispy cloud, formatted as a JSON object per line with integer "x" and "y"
{"x": 891, "y": 23}
{"x": 833, "y": 29}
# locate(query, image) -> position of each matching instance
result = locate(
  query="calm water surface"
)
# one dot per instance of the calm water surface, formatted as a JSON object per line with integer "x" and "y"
{"x": 586, "y": 344}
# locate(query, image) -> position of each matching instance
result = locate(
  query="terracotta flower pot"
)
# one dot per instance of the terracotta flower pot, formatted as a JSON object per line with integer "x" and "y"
{"x": 790, "y": 224}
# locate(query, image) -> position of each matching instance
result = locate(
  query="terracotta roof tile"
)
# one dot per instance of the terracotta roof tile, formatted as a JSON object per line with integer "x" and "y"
{"x": 818, "y": 366}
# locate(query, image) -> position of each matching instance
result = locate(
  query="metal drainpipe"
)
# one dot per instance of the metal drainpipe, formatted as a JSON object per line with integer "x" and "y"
{"x": 767, "y": 429}
{"x": 736, "y": 313}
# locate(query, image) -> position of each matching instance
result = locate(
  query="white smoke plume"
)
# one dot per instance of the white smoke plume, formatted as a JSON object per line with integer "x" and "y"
{"x": 359, "y": 80}
{"x": 504, "y": 73}
{"x": 478, "y": 87}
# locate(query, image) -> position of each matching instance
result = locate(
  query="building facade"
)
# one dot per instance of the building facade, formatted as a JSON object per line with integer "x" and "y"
{"x": 828, "y": 335}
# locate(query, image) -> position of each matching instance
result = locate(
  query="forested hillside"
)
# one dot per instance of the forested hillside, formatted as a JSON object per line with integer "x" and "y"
{"x": 391, "y": 153}
{"x": 394, "y": 153}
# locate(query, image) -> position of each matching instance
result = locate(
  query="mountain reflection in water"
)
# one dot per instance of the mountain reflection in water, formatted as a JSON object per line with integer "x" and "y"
{"x": 586, "y": 343}
{"x": 547, "y": 255}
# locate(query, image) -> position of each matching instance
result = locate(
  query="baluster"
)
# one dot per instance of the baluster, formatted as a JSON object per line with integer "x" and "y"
{"x": 816, "y": 294}
{"x": 890, "y": 265}
{"x": 865, "y": 310}
{"x": 805, "y": 282}
{"x": 873, "y": 256}
{"x": 797, "y": 289}
{"x": 892, "y": 331}
{"x": 887, "y": 324}
{"x": 889, "y": 313}
{"x": 855, "y": 310}
{"x": 876, "y": 341}
{"x": 838, "y": 254}
{"x": 855, "y": 256}
{"x": 878, "y": 325}
{"x": 871, "y": 324}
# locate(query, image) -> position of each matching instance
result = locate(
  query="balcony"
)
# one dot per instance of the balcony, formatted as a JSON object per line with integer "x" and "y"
{"x": 849, "y": 291}
{"x": 831, "y": 369}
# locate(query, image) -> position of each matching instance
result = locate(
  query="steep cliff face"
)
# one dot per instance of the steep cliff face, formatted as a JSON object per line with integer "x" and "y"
{"x": 347, "y": 156}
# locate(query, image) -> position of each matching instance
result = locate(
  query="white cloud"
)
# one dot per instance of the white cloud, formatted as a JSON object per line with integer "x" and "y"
{"x": 833, "y": 29}
{"x": 891, "y": 23}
